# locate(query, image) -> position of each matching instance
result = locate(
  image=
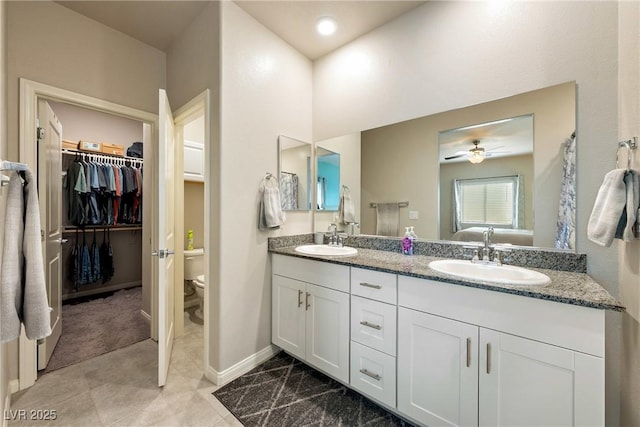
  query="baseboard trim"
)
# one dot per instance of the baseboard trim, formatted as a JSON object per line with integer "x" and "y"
{"x": 146, "y": 316}
{"x": 12, "y": 387}
{"x": 242, "y": 367}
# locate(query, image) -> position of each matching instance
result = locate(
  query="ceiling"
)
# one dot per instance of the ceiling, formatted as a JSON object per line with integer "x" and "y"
{"x": 293, "y": 21}
{"x": 501, "y": 138}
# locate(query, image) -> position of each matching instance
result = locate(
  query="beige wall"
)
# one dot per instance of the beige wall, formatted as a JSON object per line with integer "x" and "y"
{"x": 629, "y": 259}
{"x": 501, "y": 166}
{"x": 194, "y": 212}
{"x": 349, "y": 148}
{"x": 89, "y": 125}
{"x": 447, "y": 55}
{"x": 395, "y": 157}
{"x": 77, "y": 54}
{"x": 198, "y": 50}
{"x": 266, "y": 92}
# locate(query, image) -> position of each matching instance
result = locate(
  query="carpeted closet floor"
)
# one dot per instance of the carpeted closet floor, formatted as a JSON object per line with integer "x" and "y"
{"x": 99, "y": 326}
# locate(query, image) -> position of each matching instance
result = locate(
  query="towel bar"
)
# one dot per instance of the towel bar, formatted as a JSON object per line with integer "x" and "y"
{"x": 400, "y": 204}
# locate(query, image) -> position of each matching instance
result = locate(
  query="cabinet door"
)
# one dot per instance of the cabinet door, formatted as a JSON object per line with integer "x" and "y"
{"x": 193, "y": 161}
{"x": 288, "y": 315}
{"x": 437, "y": 369}
{"x": 525, "y": 383}
{"x": 328, "y": 331}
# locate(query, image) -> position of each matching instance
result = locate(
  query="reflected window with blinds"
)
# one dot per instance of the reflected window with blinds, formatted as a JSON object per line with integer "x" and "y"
{"x": 483, "y": 202}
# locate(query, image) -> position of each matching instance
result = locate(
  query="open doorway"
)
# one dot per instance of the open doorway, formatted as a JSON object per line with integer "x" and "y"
{"x": 33, "y": 96}
{"x": 104, "y": 302}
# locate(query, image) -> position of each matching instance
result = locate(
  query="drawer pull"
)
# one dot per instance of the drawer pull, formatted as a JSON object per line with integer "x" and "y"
{"x": 468, "y": 352}
{"x": 488, "y": 358}
{"x": 299, "y": 298}
{"x": 370, "y": 325}
{"x": 371, "y": 374}
{"x": 370, "y": 285}
{"x": 307, "y": 302}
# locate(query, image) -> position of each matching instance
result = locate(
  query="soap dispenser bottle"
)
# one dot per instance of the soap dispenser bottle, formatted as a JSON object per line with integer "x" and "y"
{"x": 407, "y": 242}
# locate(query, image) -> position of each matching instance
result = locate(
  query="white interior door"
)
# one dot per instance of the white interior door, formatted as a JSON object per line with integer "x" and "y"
{"x": 165, "y": 237}
{"x": 50, "y": 193}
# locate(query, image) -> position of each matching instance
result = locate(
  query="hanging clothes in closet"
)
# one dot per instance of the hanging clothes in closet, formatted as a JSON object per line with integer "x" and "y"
{"x": 103, "y": 192}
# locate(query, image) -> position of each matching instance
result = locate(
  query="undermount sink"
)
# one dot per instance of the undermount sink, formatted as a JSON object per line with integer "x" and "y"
{"x": 327, "y": 250}
{"x": 503, "y": 274}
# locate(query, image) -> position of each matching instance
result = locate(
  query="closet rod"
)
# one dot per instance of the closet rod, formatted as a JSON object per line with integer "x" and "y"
{"x": 102, "y": 155}
{"x": 111, "y": 228}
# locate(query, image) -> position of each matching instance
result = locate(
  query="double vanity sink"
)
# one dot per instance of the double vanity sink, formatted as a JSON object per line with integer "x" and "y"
{"x": 484, "y": 271}
{"x": 439, "y": 340}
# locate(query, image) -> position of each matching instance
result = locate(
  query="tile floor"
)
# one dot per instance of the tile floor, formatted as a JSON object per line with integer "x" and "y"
{"x": 120, "y": 389}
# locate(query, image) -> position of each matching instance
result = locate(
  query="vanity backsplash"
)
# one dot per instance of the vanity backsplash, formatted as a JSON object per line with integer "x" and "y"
{"x": 520, "y": 256}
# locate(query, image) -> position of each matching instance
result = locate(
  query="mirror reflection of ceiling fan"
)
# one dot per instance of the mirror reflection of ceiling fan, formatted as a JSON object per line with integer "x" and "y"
{"x": 476, "y": 154}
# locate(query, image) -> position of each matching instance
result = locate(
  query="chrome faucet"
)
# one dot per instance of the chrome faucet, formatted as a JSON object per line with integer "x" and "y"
{"x": 486, "y": 239}
{"x": 333, "y": 237}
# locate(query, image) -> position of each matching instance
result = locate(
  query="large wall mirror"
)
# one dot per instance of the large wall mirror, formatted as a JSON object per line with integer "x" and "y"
{"x": 294, "y": 174}
{"x": 401, "y": 163}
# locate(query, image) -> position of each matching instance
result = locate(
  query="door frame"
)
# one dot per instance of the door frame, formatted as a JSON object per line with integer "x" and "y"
{"x": 199, "y": 105}
{"x": 30, "y": 92}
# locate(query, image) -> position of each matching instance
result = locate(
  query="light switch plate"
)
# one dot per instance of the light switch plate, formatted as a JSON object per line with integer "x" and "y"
{"x": 413, "y": 214}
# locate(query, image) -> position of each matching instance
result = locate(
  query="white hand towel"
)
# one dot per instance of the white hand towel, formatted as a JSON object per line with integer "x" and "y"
{"x": 607, "y": 209}
{"x": 270, "y": 215}
{"x": 23, "y": 293}
{"x": 36, "y": 312}
{"x": 12, "y": 260}
{"x": 388, "y": 219}
{"x": 346, "y": 209}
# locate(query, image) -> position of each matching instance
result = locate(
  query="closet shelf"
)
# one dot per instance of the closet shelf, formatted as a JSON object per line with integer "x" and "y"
{"x": 118, "y": 227}
{"x": 101, "y": 155}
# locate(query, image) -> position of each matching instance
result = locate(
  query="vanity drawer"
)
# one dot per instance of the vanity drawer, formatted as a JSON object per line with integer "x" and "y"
{"x": 373, "y": 373}
{"x": 374, "y": 284}
{"x": 331, "y": 276}
{"x": 373, "y": 324}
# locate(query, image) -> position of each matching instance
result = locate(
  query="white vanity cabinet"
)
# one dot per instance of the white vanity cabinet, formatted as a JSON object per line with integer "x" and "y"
{"x": 442, "y": 354}
{"x": 471, "y": 357}
{"x": 310, "y": 312}
{"x": 437, "y": 369}
{"x": 373, "y": 334}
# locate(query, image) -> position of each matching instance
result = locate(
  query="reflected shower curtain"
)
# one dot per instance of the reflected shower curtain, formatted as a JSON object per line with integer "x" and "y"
{"x": 566, "y": 224}
{"x": 321, "y": 192}
{"x": 289, "y": 191}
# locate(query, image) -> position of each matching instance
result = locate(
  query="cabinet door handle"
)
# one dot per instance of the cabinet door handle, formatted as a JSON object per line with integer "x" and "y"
{"x": 370, "y": 325}
{"x": 307, "y": 301}
{"x": 468, "y": 352}
{"x": 370, "y": 285}
{"x": 488, "y": 358}
{"x": 371, "y": 374}
{"x": 299, "y": 297}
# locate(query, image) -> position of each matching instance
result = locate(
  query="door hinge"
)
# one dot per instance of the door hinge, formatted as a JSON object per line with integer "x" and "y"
{"x": 40, "y": 133}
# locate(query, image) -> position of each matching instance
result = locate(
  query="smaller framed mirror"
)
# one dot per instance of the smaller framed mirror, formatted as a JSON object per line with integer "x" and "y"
{"x": 327, "y": 179}
{"x": 294, "y": 174}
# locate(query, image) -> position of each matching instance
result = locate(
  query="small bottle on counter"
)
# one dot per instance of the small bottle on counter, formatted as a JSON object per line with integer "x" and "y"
{"x": 407, "y": 242}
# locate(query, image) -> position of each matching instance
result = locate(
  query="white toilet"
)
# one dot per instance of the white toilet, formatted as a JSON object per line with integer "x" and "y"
{"x": 194, "y": 272}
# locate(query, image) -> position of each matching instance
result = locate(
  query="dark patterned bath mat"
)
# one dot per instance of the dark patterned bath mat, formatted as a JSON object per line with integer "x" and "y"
{"x": 285, "y": 392}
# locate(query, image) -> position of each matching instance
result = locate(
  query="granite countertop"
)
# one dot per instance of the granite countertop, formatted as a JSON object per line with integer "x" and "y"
{"x": 565, "y": 287}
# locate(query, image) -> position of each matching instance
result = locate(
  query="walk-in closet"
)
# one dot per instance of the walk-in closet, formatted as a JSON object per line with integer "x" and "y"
{"x": 103, "y": 297}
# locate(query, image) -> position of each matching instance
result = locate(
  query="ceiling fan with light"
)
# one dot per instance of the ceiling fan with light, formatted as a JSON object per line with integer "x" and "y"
{"x": 476, "y": 154}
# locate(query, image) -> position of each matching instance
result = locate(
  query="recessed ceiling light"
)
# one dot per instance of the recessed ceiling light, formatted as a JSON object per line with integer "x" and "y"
{"x": 326, "y": 26}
